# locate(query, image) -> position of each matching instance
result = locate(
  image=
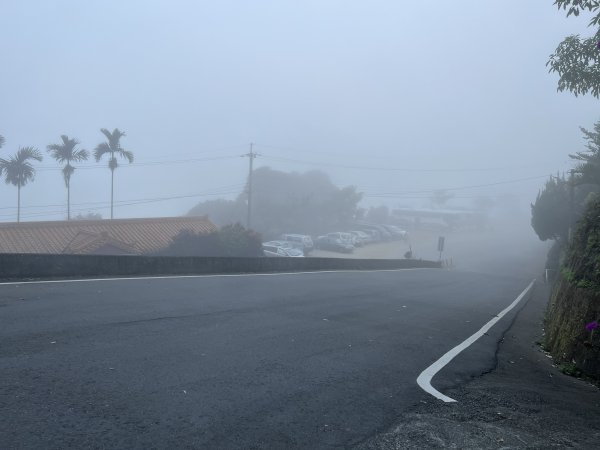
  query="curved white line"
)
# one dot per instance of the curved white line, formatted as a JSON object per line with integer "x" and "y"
{"x": 424, "y": 380}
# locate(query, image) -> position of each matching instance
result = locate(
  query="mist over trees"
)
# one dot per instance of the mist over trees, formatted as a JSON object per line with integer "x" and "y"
{"x": 307, "y": 203}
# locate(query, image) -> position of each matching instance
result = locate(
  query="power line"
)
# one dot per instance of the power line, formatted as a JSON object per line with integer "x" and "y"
{"x": 141, "y": 164}
{"x": 106, "y": 205}
{"x": 385, "y": 169}
{"x": 473, "y": 186}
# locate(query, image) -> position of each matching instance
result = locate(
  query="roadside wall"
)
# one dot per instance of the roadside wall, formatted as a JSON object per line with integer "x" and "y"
{"x": 575, "y": 300}
{"x": 20, "y": 266}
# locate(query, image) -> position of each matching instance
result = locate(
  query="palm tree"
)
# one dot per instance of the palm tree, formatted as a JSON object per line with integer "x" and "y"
{"x": 18, "y": 171}
{"x": 66, "y": 153}
{"x": 112, "y": 147}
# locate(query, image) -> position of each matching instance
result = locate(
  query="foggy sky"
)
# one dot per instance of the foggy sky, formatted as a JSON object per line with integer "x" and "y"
{"x": 456, "y": 86}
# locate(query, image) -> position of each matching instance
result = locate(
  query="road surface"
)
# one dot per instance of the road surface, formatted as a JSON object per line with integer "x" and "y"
{"x": 312, "y": 360}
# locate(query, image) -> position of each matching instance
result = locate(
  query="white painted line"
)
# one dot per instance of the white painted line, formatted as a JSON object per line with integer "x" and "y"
{"x": 175, "y": 277}
{"x": 424, "y": 380}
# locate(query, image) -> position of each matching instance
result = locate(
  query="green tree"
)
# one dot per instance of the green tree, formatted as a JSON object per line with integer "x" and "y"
{"x": 550, "y": 214}
{"x": 19, "y": 171}
{"x": 231, "y": 240}
{"x": 66, "y": 152}
{"x": 112, "y": 147}
{"x": 589, "y": 167}
{"x": 577, "y": 60}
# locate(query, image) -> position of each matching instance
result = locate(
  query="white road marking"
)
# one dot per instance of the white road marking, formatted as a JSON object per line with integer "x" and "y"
{"x": 175, "y": 277}
{"x": 424, "y": 380}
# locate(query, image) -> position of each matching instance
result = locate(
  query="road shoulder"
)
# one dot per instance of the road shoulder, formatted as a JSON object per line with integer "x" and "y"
{"x": 525, "y": 402}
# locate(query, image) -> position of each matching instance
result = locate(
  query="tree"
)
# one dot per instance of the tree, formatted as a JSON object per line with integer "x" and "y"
{"x": 67, "y": 153}
{"x": 19, "y": 171}
{"x": 1, "y": 141}
{"x": 440, "y": 197}
{"x": 231, "y": 240}
{"x": 589, "y": 168}
{"x": 88, "y": 216}
{"x": 550, "y": 213}
{"x": 306, "y": 203}
{"x": 112, "y": 147}
{"x": 576, "y": 59}
{"x": 238, "y": 241}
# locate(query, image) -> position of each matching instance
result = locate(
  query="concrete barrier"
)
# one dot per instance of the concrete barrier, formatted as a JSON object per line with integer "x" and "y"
{"x": 21, "y": 266}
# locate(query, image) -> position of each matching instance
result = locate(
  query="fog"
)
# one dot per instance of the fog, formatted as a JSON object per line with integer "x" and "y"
{"x": 396, "y": 98}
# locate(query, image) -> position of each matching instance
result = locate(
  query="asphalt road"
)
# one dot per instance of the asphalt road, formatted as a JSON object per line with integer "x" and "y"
{"x": 318, "y": 360}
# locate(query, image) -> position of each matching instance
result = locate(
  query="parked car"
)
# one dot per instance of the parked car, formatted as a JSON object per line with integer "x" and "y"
{"x": 333, "y": 244}
{"x": 342, "y": 236}
{"x": 373, "y": 234}
{"x": 361, "y": 237}
{"x": 273, "y": 249}
{"x": 396, "y": 231}
{"x": 301, "y": 241}
{"x": 384, "y": 235}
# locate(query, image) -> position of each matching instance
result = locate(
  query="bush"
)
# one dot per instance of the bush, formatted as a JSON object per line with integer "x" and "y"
{"x": 230, "y": 240}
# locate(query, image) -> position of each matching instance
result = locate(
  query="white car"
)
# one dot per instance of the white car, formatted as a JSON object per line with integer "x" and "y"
{"x": 274, "y": 248}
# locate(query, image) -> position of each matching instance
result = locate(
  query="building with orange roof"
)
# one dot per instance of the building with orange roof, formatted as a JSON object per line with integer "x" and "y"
{"x": 98, "y": 237}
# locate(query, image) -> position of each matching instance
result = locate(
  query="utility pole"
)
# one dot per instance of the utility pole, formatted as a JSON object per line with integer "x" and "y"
{"x": 251, "y": 155}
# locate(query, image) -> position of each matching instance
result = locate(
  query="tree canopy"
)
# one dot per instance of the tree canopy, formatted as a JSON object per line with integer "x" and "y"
{"x": 550, "y": 213}
{"x": 576, "y": 59}
{"x": 307, "y": 203}
{"x": 589, "y": 166}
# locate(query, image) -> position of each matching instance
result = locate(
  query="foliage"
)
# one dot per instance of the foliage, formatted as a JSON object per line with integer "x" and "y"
{"x": 231, "y": 240}
{"x": 576, "y": 59}
{"x": 307, "y": 203}
{"x": 188, "y": 243}
{"x": 112, "y": 147}
{"x": 550, "y": 216}
{"x": 589, "y": 168}
{"x": 440, "y": 197}
{"x": 2, "y": 141}
{"x": 88, "y": 216}
{"x": 221, "y": 211}
{"x": 237, "y": 241}
{"x": 582, "y": 268}
{"x": 570, "y": 369}
{"x": 18, "y": 169}
{"x": 66, "y": 152}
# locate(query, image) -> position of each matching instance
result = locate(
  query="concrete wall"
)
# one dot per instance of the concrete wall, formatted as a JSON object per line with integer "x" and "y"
{"x": 20, "y": 266}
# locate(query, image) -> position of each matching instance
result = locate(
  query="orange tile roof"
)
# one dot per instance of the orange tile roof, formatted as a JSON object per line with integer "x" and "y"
{"x": 83, "y": 236}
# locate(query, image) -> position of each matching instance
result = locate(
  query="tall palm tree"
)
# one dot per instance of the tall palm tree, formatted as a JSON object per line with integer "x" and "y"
{"x": 112, "y": 147}
{"x": 66, "y": 153}
{"x": 18, "y": 170}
